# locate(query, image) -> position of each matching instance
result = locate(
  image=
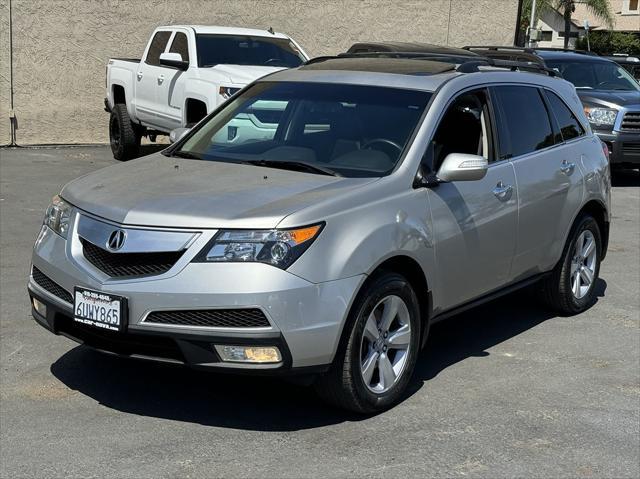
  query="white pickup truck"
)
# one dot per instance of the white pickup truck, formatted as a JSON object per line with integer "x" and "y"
{"x": 185, "y": 73}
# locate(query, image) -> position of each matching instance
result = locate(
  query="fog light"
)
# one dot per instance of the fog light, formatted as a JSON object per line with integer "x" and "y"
{"x": 248, "y": 354}
{"x": 40, "y": 307}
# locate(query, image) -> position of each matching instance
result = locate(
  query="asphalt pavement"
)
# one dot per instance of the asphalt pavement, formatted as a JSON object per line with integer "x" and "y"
{"x": 505, "y": 390}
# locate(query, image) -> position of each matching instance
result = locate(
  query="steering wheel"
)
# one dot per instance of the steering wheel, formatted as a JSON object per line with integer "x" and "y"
{"x": 382, "y": 141}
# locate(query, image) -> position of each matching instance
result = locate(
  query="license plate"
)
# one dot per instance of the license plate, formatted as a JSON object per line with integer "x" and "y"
{"x": 100, "y": 310}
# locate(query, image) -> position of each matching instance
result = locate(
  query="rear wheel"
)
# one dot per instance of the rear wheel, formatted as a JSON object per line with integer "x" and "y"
{"x": 123, "y": 135}
{"x": 570, "y": 289}
{"x": 379, "y": 350}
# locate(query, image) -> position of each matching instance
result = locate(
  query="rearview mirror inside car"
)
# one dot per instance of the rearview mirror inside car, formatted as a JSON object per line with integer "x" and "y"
{"x": 173, "y": 60}
{"x": 462, "y": 167}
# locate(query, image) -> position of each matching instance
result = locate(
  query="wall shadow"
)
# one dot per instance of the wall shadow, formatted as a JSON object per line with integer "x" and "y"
{"x": 625, "y": 178}
{"x": 273, "y": 404}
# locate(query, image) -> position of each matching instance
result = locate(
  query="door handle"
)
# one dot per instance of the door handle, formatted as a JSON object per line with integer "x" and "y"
{"x": 567, "y": 168}
{"x": 160, "y": 79}
{"x": 139, "y": 75}
{"x": 502, "y": 191}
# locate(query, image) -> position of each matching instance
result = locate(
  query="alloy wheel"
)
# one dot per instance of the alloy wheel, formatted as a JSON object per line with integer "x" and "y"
{"x": 384, "y": 349}
{"x": 583, "y": 264}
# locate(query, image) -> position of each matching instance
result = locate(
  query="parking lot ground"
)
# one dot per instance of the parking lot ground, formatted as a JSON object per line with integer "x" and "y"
{"x": 505, "y": 390}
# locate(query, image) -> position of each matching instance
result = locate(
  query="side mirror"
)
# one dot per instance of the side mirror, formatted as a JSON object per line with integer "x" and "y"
{"x": 177, "y": 134}
{"x": 173, "y": 60}
{"x": 462, "y": 167}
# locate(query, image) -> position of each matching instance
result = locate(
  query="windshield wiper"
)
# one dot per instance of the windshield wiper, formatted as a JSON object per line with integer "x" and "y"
{"x": 186, "y": 154}
{"x": 295, "y": 165}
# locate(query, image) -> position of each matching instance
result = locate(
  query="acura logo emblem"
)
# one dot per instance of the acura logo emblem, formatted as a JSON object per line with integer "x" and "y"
{"x": 116, "y": 240}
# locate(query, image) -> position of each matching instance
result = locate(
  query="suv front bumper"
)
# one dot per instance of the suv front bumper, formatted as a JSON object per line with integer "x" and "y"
{"x": 305, "y": 319}
{"x": 624, "y": 148}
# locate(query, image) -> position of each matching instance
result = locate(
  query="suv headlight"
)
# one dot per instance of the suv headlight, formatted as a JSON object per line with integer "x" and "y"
{"x": 276, "y": 247}
{"x": 601, "y": 116}
{"x": 58, "y": 216}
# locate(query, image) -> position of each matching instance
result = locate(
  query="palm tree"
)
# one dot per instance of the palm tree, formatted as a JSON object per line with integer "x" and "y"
{"x": 601, "y": 9}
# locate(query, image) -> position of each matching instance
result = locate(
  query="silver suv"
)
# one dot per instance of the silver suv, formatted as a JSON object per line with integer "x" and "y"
{"x": 323, "y": 218}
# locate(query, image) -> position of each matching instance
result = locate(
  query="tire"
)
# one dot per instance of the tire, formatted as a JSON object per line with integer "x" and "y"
{"x": 123, "y": 135}
{"x": 560, "y": 291}
{"x": 344, "y": 385}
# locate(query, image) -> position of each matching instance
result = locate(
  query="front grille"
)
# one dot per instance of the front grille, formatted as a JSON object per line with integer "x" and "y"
{"x": 47, "y": 283}
{"x": 147, "y": 345}
{"x": 129, "y": 264}
{"x": 218, "y": 318}
{"x": 631, "y": 121}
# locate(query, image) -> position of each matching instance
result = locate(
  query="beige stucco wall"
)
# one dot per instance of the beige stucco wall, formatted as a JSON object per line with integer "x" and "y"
{"x": 61, "y": 46}
{"x": 623, "y": 20}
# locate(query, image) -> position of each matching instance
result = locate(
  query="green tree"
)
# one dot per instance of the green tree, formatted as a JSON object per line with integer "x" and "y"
{"x": 608, "y": 43}
{"x": 601, "y": 9}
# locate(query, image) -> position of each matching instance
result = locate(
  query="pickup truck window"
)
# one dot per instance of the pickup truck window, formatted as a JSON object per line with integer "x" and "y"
{"x": 353, "y": 131}
{"x": 158, "y": 44}
{"x": 180, "y": 45}
{"x": 245, "y": 50}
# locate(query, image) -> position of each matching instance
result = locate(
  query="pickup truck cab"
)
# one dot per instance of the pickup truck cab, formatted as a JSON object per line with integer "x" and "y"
{"x": 184, "y": 74}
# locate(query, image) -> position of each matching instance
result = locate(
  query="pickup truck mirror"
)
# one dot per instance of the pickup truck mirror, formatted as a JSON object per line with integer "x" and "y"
{"x": 173, "y": 60}
{"x": 462, "y": 167}
{"x": 177, "y": 134}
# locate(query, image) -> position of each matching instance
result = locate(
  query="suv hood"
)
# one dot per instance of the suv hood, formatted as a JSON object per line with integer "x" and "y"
{"x": 175, "y": 192}
{"x": 236, "y": 74}
{"x": 612, "y": 98}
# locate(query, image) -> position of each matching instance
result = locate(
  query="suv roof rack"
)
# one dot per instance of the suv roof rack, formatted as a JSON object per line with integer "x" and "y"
{"x": 531, "y": 50}
{"x": 465, "y": 64}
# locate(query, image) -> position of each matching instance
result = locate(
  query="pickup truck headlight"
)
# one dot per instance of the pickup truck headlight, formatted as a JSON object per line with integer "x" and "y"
{"x": 58, "y": 215}
{"x": 601, "y": 116}
{"x": 276, "y": 247}
{"x": 227, "y": 92}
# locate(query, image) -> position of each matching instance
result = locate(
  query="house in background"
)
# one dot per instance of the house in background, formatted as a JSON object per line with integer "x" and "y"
{"x": 551, "y": 23}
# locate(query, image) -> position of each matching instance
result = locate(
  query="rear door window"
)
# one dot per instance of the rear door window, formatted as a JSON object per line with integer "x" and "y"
{"x": 524, "y": 121}
{"x": 180, "y": 45}
{"x": 158, "y": 44}
{"x": 569, "y": 125}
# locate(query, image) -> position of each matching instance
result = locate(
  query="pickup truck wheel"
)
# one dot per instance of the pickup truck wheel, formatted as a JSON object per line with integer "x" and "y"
{"x": 570, "y": 289}
{"x": 123, "y": 135}
{"x": 380, "y": 345}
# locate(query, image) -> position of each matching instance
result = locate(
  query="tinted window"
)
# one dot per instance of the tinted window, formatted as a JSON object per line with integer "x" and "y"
{"x": 244, "y": 50}
{"x": 590, "y": 75}
{"x": 357, "y": 131}
{"x": 158, "y": 44}
{"x": 180, "y": 45}
{"x": 569, "y": 125}
{"x": 525, "y": 125}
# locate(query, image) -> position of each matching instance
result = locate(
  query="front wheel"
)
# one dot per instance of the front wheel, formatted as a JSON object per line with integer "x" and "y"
{"x": 570, "y": 289}
{"x": 379, "y": 350}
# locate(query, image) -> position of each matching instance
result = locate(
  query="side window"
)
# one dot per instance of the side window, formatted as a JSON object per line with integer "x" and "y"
{"x": 524, "y": 121}
{"x": 569, "y": 125}
{"x": 158, "y": 44}
{"x": 465, "y": 128}
{"x": 180, "y": 45}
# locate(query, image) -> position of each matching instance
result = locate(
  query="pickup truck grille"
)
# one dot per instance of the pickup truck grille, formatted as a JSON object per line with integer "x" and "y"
{"x": 216, "y": 318}
{"x": 119, "y": 265}
{"x": 631, "y": 121}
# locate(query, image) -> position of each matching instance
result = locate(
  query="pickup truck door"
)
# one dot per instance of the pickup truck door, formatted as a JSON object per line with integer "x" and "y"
{"x": 147, "y": 78}
{"x": 171, "y": 83}
{"x": 474, "y": 222}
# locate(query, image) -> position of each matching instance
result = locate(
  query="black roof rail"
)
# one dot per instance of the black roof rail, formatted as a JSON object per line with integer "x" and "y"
{"x": 531, "y": 67}
{"x": 497, "y": 47}
{"x": 465, "y": 64}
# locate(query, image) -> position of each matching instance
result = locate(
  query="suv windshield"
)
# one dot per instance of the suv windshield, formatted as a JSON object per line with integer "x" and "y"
{"x": 245, "y": 50}
{"x": 346, "y": 130}
{"x": 595, "y": 75}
